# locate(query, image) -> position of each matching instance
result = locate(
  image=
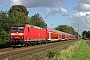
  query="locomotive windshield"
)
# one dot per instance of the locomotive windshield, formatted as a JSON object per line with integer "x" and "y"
{"x": 18, "y": 28}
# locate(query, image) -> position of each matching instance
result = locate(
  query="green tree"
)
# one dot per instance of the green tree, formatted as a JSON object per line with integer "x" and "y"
{"x": 3, "y": 21}
{"x": 4, "y": 27}
{"x": 37, "y": 20}
{"x": 18, "y": 14}
{"x": 66, "y": 28}
{"x": 88, "y": 34}
{"x": 84, "y": 34}
{"x": 16, "y": 9}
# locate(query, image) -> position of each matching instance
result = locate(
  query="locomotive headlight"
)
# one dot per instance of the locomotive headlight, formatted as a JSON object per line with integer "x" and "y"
{"x": 12, "y": 33}
{"x": 22, "y": 37}
{"x": 20, "y": 33}
{"x": 11, "y": 37}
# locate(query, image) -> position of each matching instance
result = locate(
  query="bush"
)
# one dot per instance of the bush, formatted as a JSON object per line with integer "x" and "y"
{"x": 4, "y": 39}
{"x": 51, "y": 53}
{"x": 5, "y": 44}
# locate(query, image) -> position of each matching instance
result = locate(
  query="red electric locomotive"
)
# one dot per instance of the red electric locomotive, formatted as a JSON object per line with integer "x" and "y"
{"x": 25, "y": 34}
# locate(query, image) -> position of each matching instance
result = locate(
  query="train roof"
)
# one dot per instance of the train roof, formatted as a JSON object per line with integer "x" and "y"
{"x": 51, "y": 29}
{"x": 19, "y": 24}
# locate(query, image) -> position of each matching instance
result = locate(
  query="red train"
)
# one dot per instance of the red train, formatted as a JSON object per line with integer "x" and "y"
{"x": 26, "y": 34}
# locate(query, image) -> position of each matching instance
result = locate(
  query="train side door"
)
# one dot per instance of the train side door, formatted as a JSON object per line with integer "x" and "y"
{"x": 28, "y": 33}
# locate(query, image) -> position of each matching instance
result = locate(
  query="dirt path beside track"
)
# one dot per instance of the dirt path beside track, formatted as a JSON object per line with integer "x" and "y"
{"x": 88, "y": 42}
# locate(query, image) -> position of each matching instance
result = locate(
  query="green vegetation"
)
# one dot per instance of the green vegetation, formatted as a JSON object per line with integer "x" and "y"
{"x": 67, "y": 29}
{"x": 86, "y": 35}
{"x": 55, "y": 53}
{"x": 52, "y": 52}
{"x": 82, "y": 53}
{"x": 66, "y": 53}
{"x": 37, "y": 20}
{"x": 78, "y": 51}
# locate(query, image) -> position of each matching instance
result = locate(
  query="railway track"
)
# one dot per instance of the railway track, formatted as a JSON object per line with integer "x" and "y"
{"x": 15, "y": 53}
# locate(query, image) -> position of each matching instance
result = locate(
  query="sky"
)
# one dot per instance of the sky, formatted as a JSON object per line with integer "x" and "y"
{"x": 75, "y": 13}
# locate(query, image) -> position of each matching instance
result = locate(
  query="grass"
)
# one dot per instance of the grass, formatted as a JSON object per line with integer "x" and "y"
{"x": 66, "y": 54}
{"x": 82, "y": 53}
{"x": 54, "y": 53}
{"x": 78, "y": 51}
{"x": 44, "y": 55}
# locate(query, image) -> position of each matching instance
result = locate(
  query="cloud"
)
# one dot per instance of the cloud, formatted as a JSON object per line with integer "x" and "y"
{"x": 37, "y": 3}
{"x": 50, "y": 6}
{"x": 16, "y": 2}
{"x": 55, "y": 11}
{"x": 84, "y": 1}
{"x": 81, "y": 18}
{"x": 83, "y": 5}
{"x": 59, "y": 11}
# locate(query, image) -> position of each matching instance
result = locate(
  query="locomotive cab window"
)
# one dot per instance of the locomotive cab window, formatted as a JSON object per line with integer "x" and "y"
{"x": 15, "y": 28}
{"x": 18, "y": 28}
{"x": 21, "y": 28}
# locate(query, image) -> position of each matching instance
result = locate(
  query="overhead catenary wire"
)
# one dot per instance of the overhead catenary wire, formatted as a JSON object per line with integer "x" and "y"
{"x": 43, "y": 7}
{"x": 54, "y": 18}
{"x": 4, "y": 4}
{"x": 36, "y": 6}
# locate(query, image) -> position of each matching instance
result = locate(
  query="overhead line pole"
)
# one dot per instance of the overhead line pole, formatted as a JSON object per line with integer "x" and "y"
{"x": 52, "y": 25}
{"x": 78, "y": 31}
